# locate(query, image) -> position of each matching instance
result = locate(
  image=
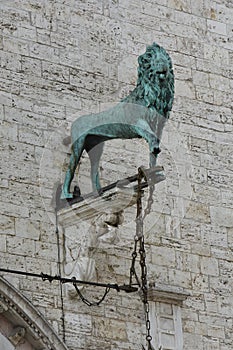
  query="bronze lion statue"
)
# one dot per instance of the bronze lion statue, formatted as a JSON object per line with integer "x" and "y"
{"x": 142, "y": 114}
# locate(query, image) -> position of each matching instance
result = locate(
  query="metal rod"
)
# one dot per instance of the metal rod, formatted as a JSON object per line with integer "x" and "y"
{"x": 43, "y": 276}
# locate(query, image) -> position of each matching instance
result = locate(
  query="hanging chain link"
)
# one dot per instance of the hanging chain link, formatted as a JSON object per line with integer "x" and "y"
{"x": 88, "y": 302}
{"x": 149, "y": 201}
{"x": 139, "y": 239}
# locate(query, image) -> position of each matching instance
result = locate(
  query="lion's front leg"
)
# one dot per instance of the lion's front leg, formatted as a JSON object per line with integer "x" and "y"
{"x": 153, "y": 142}
{"x": 153, "y": 156}
{"x": 68, "y": 178}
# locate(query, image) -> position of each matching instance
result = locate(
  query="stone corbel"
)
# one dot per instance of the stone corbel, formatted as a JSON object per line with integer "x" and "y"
{"x": 167, "y": 294}
{"x": 85, "y": 225}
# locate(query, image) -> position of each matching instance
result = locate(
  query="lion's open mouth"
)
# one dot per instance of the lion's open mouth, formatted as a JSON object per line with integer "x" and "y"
{"x": 162, "y": 75}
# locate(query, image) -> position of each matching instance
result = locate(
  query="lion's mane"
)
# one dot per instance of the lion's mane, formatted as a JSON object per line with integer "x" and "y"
{"x": 150, "y": 91}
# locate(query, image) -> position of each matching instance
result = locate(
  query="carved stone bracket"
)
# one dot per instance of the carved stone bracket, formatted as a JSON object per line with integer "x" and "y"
{"x": 112, "y": 201}
{"x": 167, "y": 294}
{"x": 85, "y": 225}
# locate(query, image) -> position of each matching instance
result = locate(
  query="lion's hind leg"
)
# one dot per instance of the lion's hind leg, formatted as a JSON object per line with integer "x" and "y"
{"x": 94, "y": 145}
{"x": 77, "y": 149}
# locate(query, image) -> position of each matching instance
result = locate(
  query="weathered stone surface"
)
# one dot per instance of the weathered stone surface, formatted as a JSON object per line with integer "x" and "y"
{"x": 60, "y": 60}
{"x": 222, "y": 216}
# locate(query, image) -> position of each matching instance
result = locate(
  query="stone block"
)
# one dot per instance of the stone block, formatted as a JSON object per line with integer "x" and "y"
{"x": 10, "y": 61}
{"x": 210, "y": 303}
{"x": 225, "y": 305}
{"x": 4, "y": 183}
{"x": 132, "y": 332}
{"x": 201, "y": 79}
{"x": 9, "y": 131}
{"x": 7, "y": 225}
{"x": 181, "y": 5}
{"x": 44, "y": 250}
{"x": 185, "y": 89}
{"x": 217, "y": 27}
{"x": 31, "y": 66}
{"x": 179, "y": 278}
{"x": 83, "y": 80}
{"x": 158, "y": 273}
{"x": 200, "y": 283}
{"x": 44, "y": 52}
{"x": 36, "y": 265}
{"x": 230, "y": 237}
{"x": 17, "y": 210}
{"x": 216, "y": 332}
{"x": 221, "y": 216}
{"x": 204, "y": 94}
{"x": 55, "y": 72}
{"x": 192, "y": 341}
{"x": 22, "y": 103}
{"x": 28, "y": 119}
{"x": 27, "y": 229}
{"x": 209, "y": 266}
{"x": 49, "y": 109}
{"x": 2, "y": 243}
{"x": 27, "y": 33}
{"x": 162, "y": 12}
{"x": 39, "y": 20}
{"x": 224, "y": 13}
{"x": 33, "y": 137}
{"x": 221, "y": 253}
{"x": 16, "y": 46}
{"x": 191, "y": 262}
{"x": 219, "y": 83}
{"x": 201, "y": 249}
{"x": 182, "y": 73}
{"x": 198, "y": 212}
{"x": 44, "y": 36}
{"x": 163, "y": 256}
{"x": 20, "y": 246}
{"x": 206, "y": 194}
{"x": 211, "y": 343}
{"x": 216, "y": 54}
{"x": 110, "y": 329}
{"x": 214, "y": 236}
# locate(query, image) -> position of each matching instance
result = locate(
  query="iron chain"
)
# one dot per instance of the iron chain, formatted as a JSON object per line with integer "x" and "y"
{"x": 139, "y": 239}
{"x": 86, "y": 301}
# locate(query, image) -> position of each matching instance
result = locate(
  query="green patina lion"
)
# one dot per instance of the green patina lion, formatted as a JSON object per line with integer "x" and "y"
{"x": 142, "y": 114}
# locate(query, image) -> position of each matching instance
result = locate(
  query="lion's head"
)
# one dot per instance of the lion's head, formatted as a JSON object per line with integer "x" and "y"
{"x": 155, "y": 85}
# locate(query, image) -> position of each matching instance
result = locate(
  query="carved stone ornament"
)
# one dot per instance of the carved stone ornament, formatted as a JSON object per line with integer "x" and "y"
{"x": 27, "y": 322}
{"x": 105, "y": 228}
{"x": 17, "y": 336}
{"x": 87, "y": 224}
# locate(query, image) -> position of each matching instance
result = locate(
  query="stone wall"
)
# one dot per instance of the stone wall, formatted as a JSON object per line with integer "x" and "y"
{"x": 62, "y": 59}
